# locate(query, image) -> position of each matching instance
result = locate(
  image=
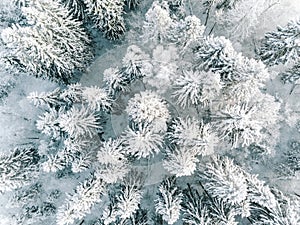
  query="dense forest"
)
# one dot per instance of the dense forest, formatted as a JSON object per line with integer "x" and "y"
{"x": 141, "y": 112}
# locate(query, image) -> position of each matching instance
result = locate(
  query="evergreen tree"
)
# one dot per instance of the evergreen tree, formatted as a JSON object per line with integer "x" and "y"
{"x": 281, "y": 46}
{"x": 77, "y": 8}
{"x": 188, "y": 32}
{"x": 124, "y": 204}
{"x": 149, "y": 109}
{"x": 78, "y": 122}
{"x": 115, "y": 81}
{"x": 142, "y": 141}
{"x": 224, "y": 180}
{"x": 132, "y": 4}
{"x": 241, "y": 17}
{"x": 80, "y": 203}
{"x": 158, "y": 22}
{"x": 108, "y": 16}
{"x": 292, "y": 75}
{"x": 113, "y": 163}
{"x": 169, "y": 200}
{"x": 136, "y": 64}
{"x": 218, "y": 55}
{"x": 191, "y": 133}
{"x": 195, "y": 208}
{"x": 72, "y": 120}
{"x": 181, "y": 161}
{"x": 53, "y": 46}
{"x": 193, "y": 88}
{"x": 19, "y": 168}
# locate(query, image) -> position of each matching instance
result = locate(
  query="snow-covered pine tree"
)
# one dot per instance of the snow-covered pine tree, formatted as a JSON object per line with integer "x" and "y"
{"x": 249, "y": 123}
{"x": 131, "y": 195}
{"x": 80, "y": 203}
{"x": 250, "y": 77}
{"x": 49, "y": 99}
{"x": 241, "y": 17}
{"x": 126, "y": 202}
{"x": 158, "y": 22}
{"x": 223, "y": 213}
{"x": 113, "y": 162}
{"x": 148, "y": 108}
{"x": 193, "y": 88}
{"x": 213, "y": 6}
{"x": 97, "y": 99}
{"x": 168, "y": 203}
{"x": 237, "y": 124}
{"x": 53, "y": 46}
{"x": 136, "y": 64}
{"x": 108, "y": 16}
{"x": 187, "y": 32}
{"x": 292, "y": 75}
{"x": 281, "y": 46}
{"x": 286, "y": 211}
{"x": 224, "y": 180}
{"x": 216, "y": 54}
{"x": 74, "y": 110}
{"x": 78, "y": 122}
{"x": 72, "y": 118}
{"x": 76, "y": 7}
{"x": 132, "y": 4}
{"x": 232, "y": 192}
{"x": 181, "y": 161}
{"x": 18, "y": 168}
{"x": 195, "y": 208}
{"x": 142, "y": 141}
{"x": 191, "y": 133}
{"x": 115, "y": 81}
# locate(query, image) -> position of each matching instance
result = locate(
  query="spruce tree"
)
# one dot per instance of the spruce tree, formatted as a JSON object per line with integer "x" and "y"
{"x": 169, "y": 200}
{"x": 108, "y": 16}
{"x": 281, "y": 46}
{"x": 52, "y": 46}
{"x": 18, "y": 168}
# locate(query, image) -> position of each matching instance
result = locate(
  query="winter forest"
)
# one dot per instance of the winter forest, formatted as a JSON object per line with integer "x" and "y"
{"x": 149, "y": 112}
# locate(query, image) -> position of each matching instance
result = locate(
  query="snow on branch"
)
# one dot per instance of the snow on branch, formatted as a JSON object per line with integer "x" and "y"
{"x": 86, "y": 195}
{"x": 168, "y": 203}
{"x": 19, "y": 168}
